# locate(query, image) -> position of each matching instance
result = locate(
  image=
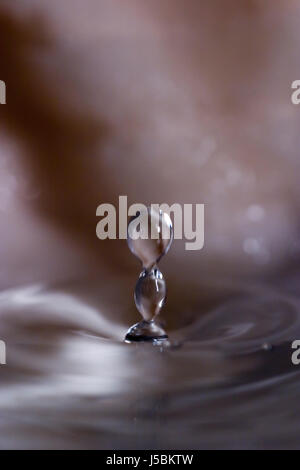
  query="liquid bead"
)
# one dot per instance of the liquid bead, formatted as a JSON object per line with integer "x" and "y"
{"x": 150, "y": 235}
{"x": 150, "y": 293}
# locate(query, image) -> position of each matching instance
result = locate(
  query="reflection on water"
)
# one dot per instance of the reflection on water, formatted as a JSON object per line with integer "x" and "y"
{"x": 226, "y": 380}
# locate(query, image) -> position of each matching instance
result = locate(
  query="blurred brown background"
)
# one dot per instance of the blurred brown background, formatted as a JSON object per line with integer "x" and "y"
{"x": 163, "y": 101}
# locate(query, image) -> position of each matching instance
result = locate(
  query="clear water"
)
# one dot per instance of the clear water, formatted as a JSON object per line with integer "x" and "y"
{"x": 150, "y": 290}
{"x": 225, "y": 381}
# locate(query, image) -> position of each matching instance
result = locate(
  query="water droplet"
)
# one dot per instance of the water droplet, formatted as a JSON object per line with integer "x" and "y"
{"x": 150, "y": 293}
{"x": 150, "y": 234}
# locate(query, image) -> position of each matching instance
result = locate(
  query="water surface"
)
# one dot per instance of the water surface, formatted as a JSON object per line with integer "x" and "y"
{"x": 225, "y": 381}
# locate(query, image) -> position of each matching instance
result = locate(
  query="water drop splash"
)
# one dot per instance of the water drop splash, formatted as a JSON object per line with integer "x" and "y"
{"x": 150, "y": 234}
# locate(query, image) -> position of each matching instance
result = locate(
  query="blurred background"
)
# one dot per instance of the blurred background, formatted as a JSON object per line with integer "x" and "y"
{"x": 162, "y": 101}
